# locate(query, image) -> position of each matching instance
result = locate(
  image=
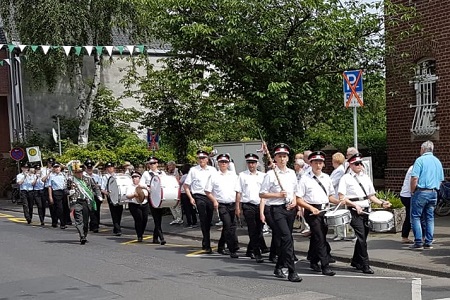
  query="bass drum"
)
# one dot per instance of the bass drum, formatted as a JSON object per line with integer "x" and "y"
{"x": 164, "y": 191}
{"x": 117, "y": 187}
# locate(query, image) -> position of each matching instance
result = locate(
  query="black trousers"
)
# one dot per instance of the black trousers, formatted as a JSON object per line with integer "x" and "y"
{"x": 205, "y": 210}
{"x": 318, "y": 245}
{"x": 81, "y": 217}
{"x": 406, "y": 227}
{"x": 39, "y": 200}
{"x": 254, "y": 228}
{"x": 116, "y": 216}
{"x": 58, "y": 198}
{"x": 228, "y": 218}
{"x": 27, "y": 198}
{"x": 51, "y": 207}
{"x": 140, "y": 215}
{"x": 157, "y": 214}
{"x": 275, "y": 242}
{"x": 189, "y": 210}
{"x": 360, "y": 225}
{"x": 94, "y": 215}
{"x": 283, "y": 223}
{"x": 66, "y": 210}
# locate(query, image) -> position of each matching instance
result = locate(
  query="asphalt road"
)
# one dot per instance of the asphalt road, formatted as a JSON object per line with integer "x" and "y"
{"x": 49, "y": 263}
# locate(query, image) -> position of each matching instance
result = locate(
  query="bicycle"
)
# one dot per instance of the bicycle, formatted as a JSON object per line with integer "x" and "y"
{"x": 443, "y": 204}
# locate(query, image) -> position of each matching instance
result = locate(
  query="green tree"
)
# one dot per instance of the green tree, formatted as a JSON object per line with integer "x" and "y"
{"x": 54, "y": 22}
{"x": 283, "y": 57}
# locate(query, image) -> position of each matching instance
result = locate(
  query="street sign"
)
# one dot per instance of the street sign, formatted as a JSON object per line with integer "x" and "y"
{"x": 17, "y": 153}
{"x": 34, "y": 154}
{"x": 353, "y": 88}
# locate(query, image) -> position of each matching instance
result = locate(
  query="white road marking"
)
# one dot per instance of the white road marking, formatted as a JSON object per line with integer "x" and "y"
{"x": 416, "y": 289}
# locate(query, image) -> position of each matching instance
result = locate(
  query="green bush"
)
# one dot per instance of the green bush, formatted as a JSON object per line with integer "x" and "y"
{"x": 389, "y": 196}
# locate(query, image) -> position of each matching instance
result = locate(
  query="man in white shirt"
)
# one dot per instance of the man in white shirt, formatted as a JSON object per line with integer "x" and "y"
{"x": 115, "y": 210}
{"x": 247, "y": 192}
{"x": 194, "y": 186}
{"x": 315, "y": 192}
{"x": 220, "y": 190}
{"x": 278, "y": 192}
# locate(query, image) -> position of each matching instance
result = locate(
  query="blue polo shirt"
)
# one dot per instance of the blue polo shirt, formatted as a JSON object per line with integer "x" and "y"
{"x": 428, "y": 169}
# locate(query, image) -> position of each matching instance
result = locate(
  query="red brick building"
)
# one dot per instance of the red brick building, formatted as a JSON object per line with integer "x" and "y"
{"x": 418, "y": 89}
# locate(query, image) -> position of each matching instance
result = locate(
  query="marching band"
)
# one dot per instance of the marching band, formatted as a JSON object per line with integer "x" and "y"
{"x": 275, "y": 198}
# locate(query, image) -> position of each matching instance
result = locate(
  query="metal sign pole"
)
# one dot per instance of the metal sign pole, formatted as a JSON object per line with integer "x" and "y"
{"x": 59, "y": 136}
{"x": 355, "y": 128}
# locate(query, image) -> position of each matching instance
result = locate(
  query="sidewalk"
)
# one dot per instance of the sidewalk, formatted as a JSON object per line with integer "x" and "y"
{"x": 385, "y": 249}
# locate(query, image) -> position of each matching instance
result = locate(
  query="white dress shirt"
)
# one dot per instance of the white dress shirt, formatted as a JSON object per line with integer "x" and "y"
{"x": 249, "y": 185}
{"x": 198, "y": 177}
{"x": 221, "y": 185}
{"x": 270, "y": 185}
{"x": 310, "y": 190}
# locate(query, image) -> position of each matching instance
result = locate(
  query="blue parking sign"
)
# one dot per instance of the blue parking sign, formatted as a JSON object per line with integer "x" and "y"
{"x": 353, "y": 88}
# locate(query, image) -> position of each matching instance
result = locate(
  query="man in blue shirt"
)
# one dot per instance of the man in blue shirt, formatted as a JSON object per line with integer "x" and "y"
{"x": 426, "y": 178}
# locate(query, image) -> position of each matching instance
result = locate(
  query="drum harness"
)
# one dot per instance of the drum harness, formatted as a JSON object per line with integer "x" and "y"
{"x": 320, "y": 206}
{"x": 368, "y": 209}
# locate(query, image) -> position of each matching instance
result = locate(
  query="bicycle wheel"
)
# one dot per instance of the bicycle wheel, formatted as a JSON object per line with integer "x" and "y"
{"x": 442, "y": 208}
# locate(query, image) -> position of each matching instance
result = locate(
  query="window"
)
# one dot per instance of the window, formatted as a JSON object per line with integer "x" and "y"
{"x": 424, "y": 123}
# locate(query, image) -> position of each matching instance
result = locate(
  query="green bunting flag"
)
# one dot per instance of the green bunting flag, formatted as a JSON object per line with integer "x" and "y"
{"x": 141, "y": 48}
{"x": 11, "y": 47}
{"x": 1, "y": 63}
{"x": 99, "y": 50}
{"x": 34, "y": 47}
{"x": 78, "y": 50}
{"x": 120, "y": 48}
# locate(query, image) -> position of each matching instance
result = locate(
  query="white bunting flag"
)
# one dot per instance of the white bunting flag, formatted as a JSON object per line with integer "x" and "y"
{"x": 67, "y": 49}
{"x": 1, "y": 46}
{"x": 45, "y": 48}
{"x": 89, "y": 49}
{"x": 109, "y": 49}
{"x": 18, "y": 59}
{"x": 21, "y": 47}
{"x": 7, "y": 61}
{"x": 130, "y": 48}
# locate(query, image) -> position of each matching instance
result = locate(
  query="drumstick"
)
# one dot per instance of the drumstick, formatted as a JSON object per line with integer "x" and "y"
{"x": 337, "y": 206}
{"x": 320, "y": 211}
{"x": 362, "y": 211}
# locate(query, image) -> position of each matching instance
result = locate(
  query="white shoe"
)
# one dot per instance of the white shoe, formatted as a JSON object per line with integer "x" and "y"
{"x": 220, "y": 223}
{"x": 173, "y": 222}
{"x": 179, "y": 221}
{"x": 338, "y": 238}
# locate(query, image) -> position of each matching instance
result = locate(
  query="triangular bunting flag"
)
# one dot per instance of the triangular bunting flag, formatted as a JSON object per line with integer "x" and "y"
{"x": 11, "y": 47}
{"x": 1, "y": 63}
{"x": 17, "y": 58}
{"x": 1, "y": 46}
{"x": 34, "y": 47}
{"x": 88, "y": 49}
{"x": 141, "y": 48}
{"x": 67, "y": 49}
{"x": 45, "y": 48}
{"x": 120, "y": 48}
{"x": 7, "y": 61}
{"x": 130, "y": 48}
{"x": 99, "y": 50}
{"x": 22, "y": 47}
{"x": 109, "y": 49}
{"x": 77, "y": 50}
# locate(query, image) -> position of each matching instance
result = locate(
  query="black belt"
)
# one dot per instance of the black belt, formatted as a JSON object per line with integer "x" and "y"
{"x": 426, "y": 190}
{"x": 358, "y": 199}
{"x": 319, "y": 206}
{"x": 251, "y": 204}
{"x": 227, "y": 204}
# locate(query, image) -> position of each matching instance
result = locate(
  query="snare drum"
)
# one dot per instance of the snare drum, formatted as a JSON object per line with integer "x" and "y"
{"x": 164, "y": 191}
{"x": 338, "y": 217}
{"x": 381, "y": 221}
{"x": 117, "y": 187}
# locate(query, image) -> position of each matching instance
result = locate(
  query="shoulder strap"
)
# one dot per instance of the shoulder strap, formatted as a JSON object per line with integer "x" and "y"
{"x": 321, "y": 185}
{"x": 357, "y": 180}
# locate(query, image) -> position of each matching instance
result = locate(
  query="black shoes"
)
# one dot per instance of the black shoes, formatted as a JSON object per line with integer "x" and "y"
{"x": 315, "y": 267}
{"x": 273, "y": 259}
{"x": 208, "y": 251}
{"x": 331, "y": 259}
{"x": 83, "y": 241}
{"x": 279, "y": 273}
{"x": 367, "y": 270}
{"x": 327, "y": 271}
{"x": 119, "y": 233}
{"x": 95, "y": 231}
{"x": 163, "y": 242}
{"x": 234, "y": 255}
{"x": 63, "y": 227}
{"x": 251, "y": 255}
{"x": 357, "y": 266}
{"x": 223, "y": 251}
{"x": 259, "y": 259}
{"x": 140, "y": 239}
{"x": 293, "y": 277}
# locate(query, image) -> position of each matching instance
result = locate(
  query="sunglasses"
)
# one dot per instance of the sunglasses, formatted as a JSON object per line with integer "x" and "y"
{"x": 358, "y": 163}
{"x": 136, "y": 176}
{"x": 152, "y": 163}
